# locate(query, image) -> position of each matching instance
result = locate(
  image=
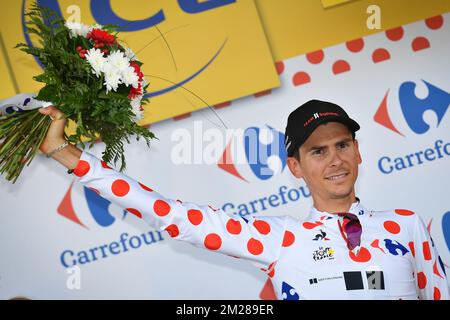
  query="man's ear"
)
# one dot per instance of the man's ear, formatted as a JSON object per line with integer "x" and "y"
{"x": 294, "y": 167}
{"x": 357, "y": 152}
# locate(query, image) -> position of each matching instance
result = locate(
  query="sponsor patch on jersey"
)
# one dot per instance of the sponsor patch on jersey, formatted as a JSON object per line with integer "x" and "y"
{"x": 323, "y": 253}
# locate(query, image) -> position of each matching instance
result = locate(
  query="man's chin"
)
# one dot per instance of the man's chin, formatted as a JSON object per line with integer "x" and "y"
{"x": 344, "y": 194}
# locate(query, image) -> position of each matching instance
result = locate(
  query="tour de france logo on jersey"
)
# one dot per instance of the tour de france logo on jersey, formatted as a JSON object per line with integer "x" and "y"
{"x": 323, "y": 253}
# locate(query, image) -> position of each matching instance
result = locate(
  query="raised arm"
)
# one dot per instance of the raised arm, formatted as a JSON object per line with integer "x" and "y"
{"x": 256, "y": 239}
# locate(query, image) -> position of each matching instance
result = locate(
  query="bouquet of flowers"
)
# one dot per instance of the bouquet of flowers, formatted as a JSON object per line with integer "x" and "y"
{"x": 91, "y": 77}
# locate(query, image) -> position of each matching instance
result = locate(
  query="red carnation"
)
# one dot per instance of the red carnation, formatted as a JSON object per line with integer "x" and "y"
{"x": 135, "y": 92}
{"x": 137, "y": 70}
{"x": 136, "y": 67}
{"x": 101, "y": 36}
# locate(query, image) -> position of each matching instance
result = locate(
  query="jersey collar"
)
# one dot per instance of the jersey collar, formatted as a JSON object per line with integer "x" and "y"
{"x": 356, "y": 208}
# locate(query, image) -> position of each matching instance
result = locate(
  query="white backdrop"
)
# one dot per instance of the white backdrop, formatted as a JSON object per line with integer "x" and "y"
{"x": 34, "y": 233}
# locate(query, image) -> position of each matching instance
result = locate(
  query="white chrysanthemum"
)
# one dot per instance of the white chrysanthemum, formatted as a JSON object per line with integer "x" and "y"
{"x": 136, "y": 108}
{"x": 96, "y": 59}
{"x": 130, "y": 54}
{"x": 118, "y": 60}
{"x": 129, "y": 77}
{"x": 112, "y": 77}
{"x": 96, "y": 26}
{"x": 77, "y": 29}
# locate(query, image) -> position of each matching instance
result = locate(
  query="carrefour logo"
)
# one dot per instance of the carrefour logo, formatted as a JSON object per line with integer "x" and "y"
{"x": 446, "y": 228}
{"x": 247, "y": 154}
{"x": 259, "y": 149}
{"x": 98, "y": 209}
{"x": 100, "y": 213}
{"x": 417, "y": 114}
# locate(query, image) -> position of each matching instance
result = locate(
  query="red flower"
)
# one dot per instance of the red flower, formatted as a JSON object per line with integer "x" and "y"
{"x": 101, "y": 36}
{"x": 135, "y": 92}
{"x": 137, "y": 70}
{"x": 136, "y": 67}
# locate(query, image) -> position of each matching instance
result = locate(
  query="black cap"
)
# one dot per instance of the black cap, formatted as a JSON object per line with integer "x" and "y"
{"x": 306, "y": 118}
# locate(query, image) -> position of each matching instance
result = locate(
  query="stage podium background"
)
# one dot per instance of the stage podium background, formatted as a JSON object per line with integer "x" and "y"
{"x": 277, "y": 55}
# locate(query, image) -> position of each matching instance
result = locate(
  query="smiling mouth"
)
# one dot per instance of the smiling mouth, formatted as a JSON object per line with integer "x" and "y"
{"x": 337, "y": 176}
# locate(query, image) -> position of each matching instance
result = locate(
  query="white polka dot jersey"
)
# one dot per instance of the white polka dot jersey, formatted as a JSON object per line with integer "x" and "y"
{"x": 304, "y": 258}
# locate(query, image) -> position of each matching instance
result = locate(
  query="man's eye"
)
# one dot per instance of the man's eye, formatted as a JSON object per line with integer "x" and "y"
{"x": 344, "y": 145}
{"x": 318, "y": 152}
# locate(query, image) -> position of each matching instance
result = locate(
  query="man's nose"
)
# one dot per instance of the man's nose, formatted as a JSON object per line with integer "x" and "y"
{"x": 335, "y": 159}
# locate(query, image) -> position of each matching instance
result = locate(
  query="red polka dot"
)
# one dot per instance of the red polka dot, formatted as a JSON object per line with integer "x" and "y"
{"x": 95, "y": 190}
{"x": 340, "y": 66}
{"x": 392, "y": 227}
{"x": 145, "y": 187}
{"x": 255, "y": 247}
{"x": 411, "y": 247}
{"x": 213, "y": 241}
{"x": 315, "y": 57}
{"x": 135, "y": 212}
{"x": 105, "y": 165}
{"x": 262, "y": 226}
{"x": 173, "y": 230}
{"x": 271, "y": 273}
{"x": 421, "y": 280}
{"x": 279, "y": 65}
{"x": 404, "y": 212}
{"x": 161, "y": 208}
{"x": 380, "y": 55}
{"x": 436, "y": 294}
{"x": 363, "y": 256}
{"x": 120, "y": 188}
{"x": 195, "y": 216}
{"x": 301, "y": 78}
{"x": 426, "y": 250}
{"x": 355, "y": 45}
{"x": 420, "y": 43}
{"x": 234, "y": 226}
{"x": 82, "y": 168}
{"x": 434, "y": 22}
{"x": 288, "y": 239}
{"x": 395, "y": 34}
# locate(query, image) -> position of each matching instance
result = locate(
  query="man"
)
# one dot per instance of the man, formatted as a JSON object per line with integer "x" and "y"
{"x": 340, "y": 251}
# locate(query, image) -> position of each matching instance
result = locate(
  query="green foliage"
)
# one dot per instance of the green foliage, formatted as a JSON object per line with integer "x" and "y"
{"x": 72, "y": 87}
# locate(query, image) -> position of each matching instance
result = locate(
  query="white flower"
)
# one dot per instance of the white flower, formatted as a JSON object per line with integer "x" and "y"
{"x": 129, "y": 77}
{"x": 77, "y": 29}
{"x": 136, "y": 108}
{"x": 118, "y": 60}
{"x": 96, "y": 59}
{"x": 112, "y": 77}
{"x": 95, "y": 26}
{"x": 130, "y": 54}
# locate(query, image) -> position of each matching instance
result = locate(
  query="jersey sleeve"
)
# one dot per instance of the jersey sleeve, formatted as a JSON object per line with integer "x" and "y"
{"x": 258, "y": 239}
{"x": 430, "y": 273}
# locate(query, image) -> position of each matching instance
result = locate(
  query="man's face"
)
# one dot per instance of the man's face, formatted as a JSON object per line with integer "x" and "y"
{"x": 328, "y": 162}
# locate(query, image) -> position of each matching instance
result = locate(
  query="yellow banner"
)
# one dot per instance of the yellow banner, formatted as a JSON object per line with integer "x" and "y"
{"x": 216, "y": 49}
{"x": 295, "y": 27}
